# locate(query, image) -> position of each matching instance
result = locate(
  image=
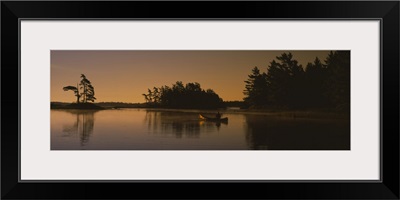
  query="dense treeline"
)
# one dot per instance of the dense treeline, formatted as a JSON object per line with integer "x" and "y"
{"x": 179, "y": 95}
{"x": 286, "y": 84}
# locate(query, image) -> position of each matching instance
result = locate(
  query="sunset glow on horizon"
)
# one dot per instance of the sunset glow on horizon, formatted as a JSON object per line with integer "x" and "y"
{"x": 124, "y": 75}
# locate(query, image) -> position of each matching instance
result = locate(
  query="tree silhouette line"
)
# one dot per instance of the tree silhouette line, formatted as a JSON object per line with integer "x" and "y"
{"x": 287, "y": 85}
{"x": 284, "y": 85}
{"x": 179, "y": 95}
{"x": 84, "y": 89}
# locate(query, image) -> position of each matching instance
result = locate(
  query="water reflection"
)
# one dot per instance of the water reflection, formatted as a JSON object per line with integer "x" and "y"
{"x": 178, "y": 124}
{"x": 82, "y": 126}
{"x": 145, "y": 129}
{"x": 296, "y": 134}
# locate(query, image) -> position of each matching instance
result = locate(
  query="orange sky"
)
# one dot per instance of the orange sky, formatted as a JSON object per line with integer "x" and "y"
{"x": 123, "y": 76}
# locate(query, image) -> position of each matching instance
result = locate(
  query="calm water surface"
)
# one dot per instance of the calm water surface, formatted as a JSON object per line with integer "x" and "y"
{"x": 151, "y": 129}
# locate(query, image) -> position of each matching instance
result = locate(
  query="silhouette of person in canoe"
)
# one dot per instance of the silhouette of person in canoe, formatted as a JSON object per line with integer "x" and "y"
{"x": 218, "y": 115}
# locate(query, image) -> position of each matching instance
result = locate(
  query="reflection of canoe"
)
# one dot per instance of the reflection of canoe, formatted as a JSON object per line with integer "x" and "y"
{"x": 225, "y": 119}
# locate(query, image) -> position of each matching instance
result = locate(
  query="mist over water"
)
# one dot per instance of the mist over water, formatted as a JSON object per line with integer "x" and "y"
{"x": 152, "y": 129}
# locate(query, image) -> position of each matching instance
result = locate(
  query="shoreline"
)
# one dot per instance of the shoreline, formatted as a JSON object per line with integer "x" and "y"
{"x": 310, "y": 114}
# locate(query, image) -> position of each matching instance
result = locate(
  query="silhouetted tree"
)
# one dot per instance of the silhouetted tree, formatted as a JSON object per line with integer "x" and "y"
{"x": 338, "y": 82}
{"x": 315, "y": 84}
{"x": 256, "y": 91}
{"x": 75, "y": 90}
{"x": 285, "y": 79}
{"x": 156, "y": 95}
{"x": 146, "y": 98}
{"x": 149, "y": 96}
{"x": 88, "y": 89}
{"x": 153, "y": 96}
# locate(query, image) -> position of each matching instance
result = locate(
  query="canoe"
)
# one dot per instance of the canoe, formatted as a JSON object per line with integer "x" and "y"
{"x": 202, "y": 117}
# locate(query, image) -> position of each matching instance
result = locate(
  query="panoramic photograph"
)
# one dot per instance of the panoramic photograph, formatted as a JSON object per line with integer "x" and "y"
{"x": 200, "y": 100}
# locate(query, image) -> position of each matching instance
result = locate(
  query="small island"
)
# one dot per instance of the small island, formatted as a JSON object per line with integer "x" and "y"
{"x": 83, "y": 90}
{"x": 81, "y": 106}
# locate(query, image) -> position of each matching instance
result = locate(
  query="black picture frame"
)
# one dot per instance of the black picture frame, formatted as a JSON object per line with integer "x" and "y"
{"x": 386, "y": 11}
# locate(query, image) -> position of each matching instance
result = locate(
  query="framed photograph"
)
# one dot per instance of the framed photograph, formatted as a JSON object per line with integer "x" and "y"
{"x": 120, "y": 96}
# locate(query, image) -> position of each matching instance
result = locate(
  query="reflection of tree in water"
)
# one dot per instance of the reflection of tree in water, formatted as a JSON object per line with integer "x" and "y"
{"x": 82, "y": 126}
{"x": 180, "y": 124}
{"x": 256, "y": 135}
{"x": 297, "y": 134}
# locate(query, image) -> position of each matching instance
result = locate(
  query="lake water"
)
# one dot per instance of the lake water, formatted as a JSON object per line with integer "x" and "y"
{"x": 152, "y": 129}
